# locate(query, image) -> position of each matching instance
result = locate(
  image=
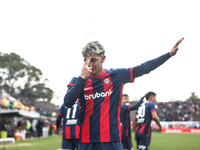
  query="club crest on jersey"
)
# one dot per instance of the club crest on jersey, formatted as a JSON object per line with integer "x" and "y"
{"x": 106, "y": 81}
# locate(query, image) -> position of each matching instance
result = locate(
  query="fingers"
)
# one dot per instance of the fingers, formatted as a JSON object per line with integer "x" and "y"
{"x": 87, "y": 62}
{"x": 146, "y": 94}
{"x": 86, "y": 69}
{"x": 90, "y": 69}
{"x": 178, "y": 42}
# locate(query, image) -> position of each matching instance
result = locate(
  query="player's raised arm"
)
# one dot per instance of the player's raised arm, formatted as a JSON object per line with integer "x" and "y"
{"x": 73, "y": 91}
{"x": 175, "y": 48}
{"x": 150, "y": 65}
{"x": 134, "y": 107}
{"x": 86, "y": 69}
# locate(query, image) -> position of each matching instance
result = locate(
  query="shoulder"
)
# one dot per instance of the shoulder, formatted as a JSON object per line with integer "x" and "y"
{"x": 153, "y": 105}
{"x": 62, "y": 106}
{"x": 73, "y": 80}
{"x": 113, "y": 70}
{"x": 123, "y": 105}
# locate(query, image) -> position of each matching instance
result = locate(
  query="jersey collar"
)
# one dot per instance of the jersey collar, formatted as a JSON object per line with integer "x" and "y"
{"x": 96, "y": 77}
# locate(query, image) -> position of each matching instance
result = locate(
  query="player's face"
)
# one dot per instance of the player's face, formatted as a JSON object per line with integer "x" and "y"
{"x": 96, "y": 64}
{"x": 154, "y": 100}
{"x": 125, "y": 99}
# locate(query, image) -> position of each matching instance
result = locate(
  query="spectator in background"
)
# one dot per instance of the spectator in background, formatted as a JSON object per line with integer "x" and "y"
{"x": 2, "y": 126}
{"x": 50, "y": 128}
{"x": 45, "y": 128}
{"x": 39, "y": 127}
{"x": 23, "y": 128}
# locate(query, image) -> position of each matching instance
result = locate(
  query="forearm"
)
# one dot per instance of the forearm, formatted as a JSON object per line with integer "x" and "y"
{"x": 150, "y": 65}
{"x": 73, "y": 93}
{"x": 58, "y": 120}
{"x": 157, "y": 122}
{"x": 134, "y": 123}
{"x": 134, "y": 126}
{"x": 134, "y": 107}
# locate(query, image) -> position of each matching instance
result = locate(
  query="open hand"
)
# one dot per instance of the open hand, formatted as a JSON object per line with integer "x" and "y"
{"x": 160, "y": 129}
{"x": 175, "y": 48}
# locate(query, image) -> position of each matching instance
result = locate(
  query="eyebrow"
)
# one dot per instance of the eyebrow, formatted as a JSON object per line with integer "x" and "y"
{"x": 91, "y": 58}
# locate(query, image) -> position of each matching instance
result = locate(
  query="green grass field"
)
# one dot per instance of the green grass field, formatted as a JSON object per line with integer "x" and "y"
{"x": 170, "y": 141}
{"x": 159, "y": 142}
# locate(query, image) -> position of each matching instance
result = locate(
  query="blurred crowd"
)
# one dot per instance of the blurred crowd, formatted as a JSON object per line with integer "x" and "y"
{"x": 9, "y": 102}
{"x": 27, "y": 128}
{"x": 179, "y": 111}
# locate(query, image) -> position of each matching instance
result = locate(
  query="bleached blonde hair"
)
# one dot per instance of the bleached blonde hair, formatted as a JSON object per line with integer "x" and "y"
{"x": 92, "y": 48}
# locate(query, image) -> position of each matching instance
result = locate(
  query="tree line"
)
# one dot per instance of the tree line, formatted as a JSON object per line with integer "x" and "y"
{"x": 21, "y": 79}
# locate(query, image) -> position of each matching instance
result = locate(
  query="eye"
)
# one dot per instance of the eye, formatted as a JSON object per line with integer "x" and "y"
{"x": 93, "y": 60}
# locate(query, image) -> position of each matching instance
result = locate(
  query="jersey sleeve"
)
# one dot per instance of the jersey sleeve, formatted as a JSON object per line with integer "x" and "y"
{"x": 153, "y": 108}
{"x": 127, "y": 75}
{"x": 71, "y": 83}
{"x": 73, "y": 91}
{"x": 61, "y": 110}
{"x": 59, "y": 116}
{"x": 124, "y": 74}
{"x": 150, "y": 65}
{"x": 125, "y": 107}
{"x": 134, "y": 107}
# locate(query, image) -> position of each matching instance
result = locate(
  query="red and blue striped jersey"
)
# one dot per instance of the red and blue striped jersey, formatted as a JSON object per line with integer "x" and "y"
{"x": 125, "y": 117}
{"x": 144, "y": 117}
{"x": 71, "y": 121}
{"x": 100, "y": 100}
{"x": 125, "y": 120}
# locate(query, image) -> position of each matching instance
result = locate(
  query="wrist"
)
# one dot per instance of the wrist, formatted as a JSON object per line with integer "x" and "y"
{"x": 83, "y": 77}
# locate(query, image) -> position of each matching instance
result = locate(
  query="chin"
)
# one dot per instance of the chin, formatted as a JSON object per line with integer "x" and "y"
{"x": 93, "y": 73}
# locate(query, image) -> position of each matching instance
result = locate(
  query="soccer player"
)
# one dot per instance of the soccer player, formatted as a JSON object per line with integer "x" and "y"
{"x": 71, "y": 126}
{"x": 142, "y": 121}
{"x": 100, "y": 92}
{"x": 125, "y": 120}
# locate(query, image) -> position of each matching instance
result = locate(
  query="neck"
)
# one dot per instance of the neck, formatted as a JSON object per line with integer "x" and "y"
{"x": 100, "y": 72}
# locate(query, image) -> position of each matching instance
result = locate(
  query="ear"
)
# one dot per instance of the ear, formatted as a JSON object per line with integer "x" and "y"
{"x": 150, "y": 97}
{"x": 103, "y": 58}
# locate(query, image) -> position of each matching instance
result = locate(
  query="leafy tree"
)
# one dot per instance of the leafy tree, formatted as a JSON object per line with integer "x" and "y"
{"x": 22, "y": 79}
{"x": 193, "y": 97}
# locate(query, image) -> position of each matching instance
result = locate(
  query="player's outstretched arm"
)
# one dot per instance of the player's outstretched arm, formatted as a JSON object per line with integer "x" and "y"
{"x": 175, "y": 48}
{"x": 150, "y": 65}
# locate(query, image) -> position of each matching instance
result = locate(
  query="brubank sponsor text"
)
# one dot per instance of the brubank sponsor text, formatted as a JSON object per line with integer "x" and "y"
{"x": 98, "y": 95}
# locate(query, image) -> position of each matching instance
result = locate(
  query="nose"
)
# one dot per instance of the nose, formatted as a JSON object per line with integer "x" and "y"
{"x": 90, "y": 64}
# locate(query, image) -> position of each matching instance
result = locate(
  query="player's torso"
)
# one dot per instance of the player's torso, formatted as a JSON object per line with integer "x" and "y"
{"x": 71, "y": 115}
{"x": 143, "y": 117}
{"x": 71, "y": 121}
{"x": 125, "y": 121}
{"x": 100, "y": 109}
